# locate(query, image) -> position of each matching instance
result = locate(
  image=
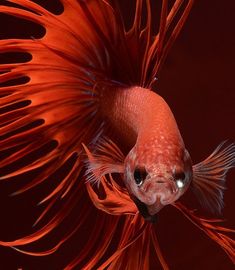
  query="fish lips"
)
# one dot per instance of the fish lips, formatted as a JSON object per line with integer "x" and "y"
{"x": 149, "y": 211}
{"x": 143, "y": 209}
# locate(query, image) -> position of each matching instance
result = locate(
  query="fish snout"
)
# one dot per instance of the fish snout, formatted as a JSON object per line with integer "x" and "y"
{"x": 158, "y": 190}
{"x": 159, "y": 184}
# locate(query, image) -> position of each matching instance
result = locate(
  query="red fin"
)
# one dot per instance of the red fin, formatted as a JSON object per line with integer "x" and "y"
{"x": 108, "y": 159}
{"x": 210, "y": 175}
{"x": 116, "y": 200}
{"x": 210, "y": 227}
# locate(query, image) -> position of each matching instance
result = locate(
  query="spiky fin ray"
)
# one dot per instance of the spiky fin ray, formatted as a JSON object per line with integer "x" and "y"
{"x": 108, "y": 159}
{"x": 116, "y": 201}
{"x": 133, "y": 236}
{"x": 209, "y": 177}
{"x": 158, "y": 251}
{"x": 209, "y": 227}
{"x": 173, "y": 35}
{"x": 159, "y": 47}
{"x": 108, "y": 51}
{"x": 63, "y": 97}
{"x": 100, "y": 250}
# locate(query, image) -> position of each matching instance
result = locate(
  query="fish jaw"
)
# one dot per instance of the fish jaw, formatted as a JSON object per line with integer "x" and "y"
{"x": 163, "y": 199}
{"x": 156, "y": 195}
{"x": 149, "y": 204}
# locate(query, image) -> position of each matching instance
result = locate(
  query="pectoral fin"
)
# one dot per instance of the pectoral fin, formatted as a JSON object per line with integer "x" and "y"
{"x": 107, "y": 159}
{"x": 209, "y": 177}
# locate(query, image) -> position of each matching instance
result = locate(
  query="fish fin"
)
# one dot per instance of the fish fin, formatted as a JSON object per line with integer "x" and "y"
{"x": 212, "y": 228}
{"x": 107, "y": 159}
{"x": 209, "y": 177}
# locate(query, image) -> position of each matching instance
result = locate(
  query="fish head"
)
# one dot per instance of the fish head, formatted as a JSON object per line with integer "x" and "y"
{"x": 157, "y": 178}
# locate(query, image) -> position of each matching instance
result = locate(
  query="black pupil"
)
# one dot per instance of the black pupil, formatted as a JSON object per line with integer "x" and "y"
{"x": 139, "y": 175}
{"x": 179, "y": 176}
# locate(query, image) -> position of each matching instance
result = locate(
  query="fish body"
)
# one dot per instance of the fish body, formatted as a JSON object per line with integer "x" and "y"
{"x": 144, "y": 120}
{"x": 158, "y": 169}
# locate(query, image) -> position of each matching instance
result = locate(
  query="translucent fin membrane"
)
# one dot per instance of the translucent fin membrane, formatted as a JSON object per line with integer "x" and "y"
{"x": 108, "y": 159}
{"x": 209, "y": 227}
{"x": 210, "y": 175}
{"x": 45, "y": 119}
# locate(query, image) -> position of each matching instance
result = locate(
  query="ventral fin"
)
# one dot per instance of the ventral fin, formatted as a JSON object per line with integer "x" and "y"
{"x": 210, "y": 176}
{"x": 107, "y": 159}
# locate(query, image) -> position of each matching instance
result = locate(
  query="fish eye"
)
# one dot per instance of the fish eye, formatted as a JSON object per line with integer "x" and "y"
{"x": 180, "y": 179}
{"x": 140, "y": 175}
{"x": 179, "y": 176}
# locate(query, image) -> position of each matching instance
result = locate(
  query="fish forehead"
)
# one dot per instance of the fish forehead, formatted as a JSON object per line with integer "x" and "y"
{"x": 151, "y": 153}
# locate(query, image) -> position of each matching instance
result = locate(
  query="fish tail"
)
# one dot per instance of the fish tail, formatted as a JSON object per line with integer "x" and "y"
{"x": 48, "y": 108}
{"x": 49, "y": 102}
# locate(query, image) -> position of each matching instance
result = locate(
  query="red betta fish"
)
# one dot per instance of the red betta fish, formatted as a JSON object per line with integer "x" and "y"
{"x": 87, "y": 123}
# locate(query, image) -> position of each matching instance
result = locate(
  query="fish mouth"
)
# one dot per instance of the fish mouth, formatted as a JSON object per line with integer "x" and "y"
{"x": 149, "y": 211}
{"x": 149, "y": 208}
{"x": 143, "y": 209}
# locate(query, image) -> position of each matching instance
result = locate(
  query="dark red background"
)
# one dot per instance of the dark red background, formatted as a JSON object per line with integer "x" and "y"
{"x": 197, "y": 81}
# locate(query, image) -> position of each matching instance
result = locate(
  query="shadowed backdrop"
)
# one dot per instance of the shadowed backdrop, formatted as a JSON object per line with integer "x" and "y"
{"x": 197, "y": 81}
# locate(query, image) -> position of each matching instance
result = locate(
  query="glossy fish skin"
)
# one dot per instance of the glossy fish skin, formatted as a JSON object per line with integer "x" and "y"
{"x": 144, "y": 119}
